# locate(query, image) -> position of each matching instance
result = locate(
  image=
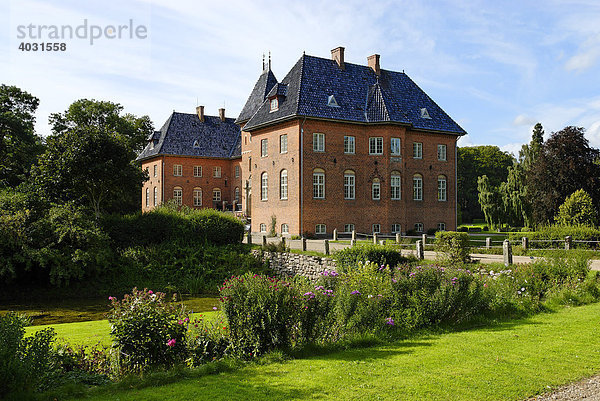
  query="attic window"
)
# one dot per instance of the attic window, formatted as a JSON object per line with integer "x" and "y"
{"x": 151, "y": 145}
{"x": 196, "y": 144}
{"x": 425, "y": 114}
{"x": 274, "y": 104}
{"x": 331, "y": 102}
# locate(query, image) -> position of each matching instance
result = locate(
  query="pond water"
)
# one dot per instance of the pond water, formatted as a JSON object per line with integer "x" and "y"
{"x": 81, "y": 310}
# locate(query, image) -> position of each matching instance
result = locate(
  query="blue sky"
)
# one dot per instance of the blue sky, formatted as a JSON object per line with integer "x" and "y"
{"x": 497, "y": 68}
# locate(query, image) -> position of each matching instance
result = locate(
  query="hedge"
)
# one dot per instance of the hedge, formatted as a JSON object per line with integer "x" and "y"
{"x": 380, "y": 254}
{"x": 558, "y": 233}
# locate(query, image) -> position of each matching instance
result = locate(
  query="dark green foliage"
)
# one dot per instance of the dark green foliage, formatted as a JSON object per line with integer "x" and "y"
{"x": 454, "y": 246}
{"x": 379, "y": 254}
{"x": 19, "y": 145}
{"x": 147, "y": 331}
{"x": 24, "y": 361}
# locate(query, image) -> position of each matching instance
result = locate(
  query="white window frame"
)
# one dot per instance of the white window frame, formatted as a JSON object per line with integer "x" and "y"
{"x": 147, "y": 196}
{"x": 349, "y": 145}
{"x": 442, "y": 188}
{"x": 177, "y": 170}
{"x": 237, "y": 194}
{"x": 263, "y": 228}
{"x": 197, "y": 171}
{"x": 216, "y": 172}
{"x": 320, "y": 229}
{"x": 395, "y": 147}
{"x": 264, "y": 186}
{"x": 155, "y": 196}
{"x": 155, "y": 170}
{"x": 274, "y": 104}
{"x": 264, "y": 147}
{"x": 318, "y": 142}
{"x": 283, "y": 185}
{"x": 417, "y": 150}
{"x": 376, "y": 228}
{"x": 237, "y": 171}
{"x": 442, "y": 152}
{"x": 396, "y": 228}
{"x": 216, "y": 194}
{"x": 417, "y": 187}
{"x": 376, "y": 189}
{"x": 396, "y": 186}
{"x": 441, "y": 226}
{"x": 318, "y": 184}
{"x": 348, "y": 228}
{"x": 285, "y": 228}
{"x": 178, "y": 195}
{"x": 283, "y": 143}
{"x": 376, "y": 145}
{"x": 197, "y": 196}
{"x": 349, "y": 185}
{"x": 419, "y": 227}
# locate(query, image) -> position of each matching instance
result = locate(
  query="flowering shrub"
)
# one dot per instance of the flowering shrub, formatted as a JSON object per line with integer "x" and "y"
{"x": 207, "y": 341}
{"x": 147, "y": 331}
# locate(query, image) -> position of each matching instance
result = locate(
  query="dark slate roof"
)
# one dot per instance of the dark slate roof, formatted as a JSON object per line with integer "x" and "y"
{"x": 362, "y": 96}
{"x": 263, "y": 86}
{"x": 181, "y": 131}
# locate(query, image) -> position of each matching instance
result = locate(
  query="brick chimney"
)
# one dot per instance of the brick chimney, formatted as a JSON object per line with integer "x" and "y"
{"x": 337, "y": 55}
{"x": 373, "y": 62}
{"x": 222, "y": 114}
{"x": 200, "y": 112}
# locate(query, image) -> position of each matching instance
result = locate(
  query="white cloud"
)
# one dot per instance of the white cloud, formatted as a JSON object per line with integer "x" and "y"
{"x": 522, "y": 119}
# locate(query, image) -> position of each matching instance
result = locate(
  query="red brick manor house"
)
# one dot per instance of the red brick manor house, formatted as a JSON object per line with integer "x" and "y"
{"x": 333, "y": 145}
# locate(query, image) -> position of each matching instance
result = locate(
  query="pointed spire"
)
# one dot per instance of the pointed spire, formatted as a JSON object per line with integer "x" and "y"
{"x": 269, "y": 60}
{"x": 263, "y": 63}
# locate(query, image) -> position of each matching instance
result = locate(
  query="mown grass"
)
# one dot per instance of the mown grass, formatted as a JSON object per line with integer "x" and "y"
{"x": 510, "y": 360}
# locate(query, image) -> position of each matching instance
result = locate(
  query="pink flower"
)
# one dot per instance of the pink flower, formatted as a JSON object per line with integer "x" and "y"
{"x": 150, "y": 292}
{"x": 389, "y": 321}
{"x": 171, "y": 342}
{"x": 214, "y": 308}
{"x": 111, "y": 298}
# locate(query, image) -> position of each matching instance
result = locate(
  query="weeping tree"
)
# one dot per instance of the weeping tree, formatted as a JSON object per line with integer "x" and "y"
{"x": 515, "y": 200}
{"x": 490, "y": 201}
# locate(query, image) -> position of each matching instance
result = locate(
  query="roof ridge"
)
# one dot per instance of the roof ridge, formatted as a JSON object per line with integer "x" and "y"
{"x": 303, "y": 58}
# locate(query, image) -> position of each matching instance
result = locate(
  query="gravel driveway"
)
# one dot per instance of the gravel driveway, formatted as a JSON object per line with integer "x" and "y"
{"x": 587, "y": 389}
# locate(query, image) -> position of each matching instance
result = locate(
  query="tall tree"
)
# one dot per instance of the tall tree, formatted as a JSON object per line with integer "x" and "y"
{"x": 19, "y": 145}
{"x": 565, "y": 164}
{"x": 516, "y": 205}
{"x": 474, "y": 162}
{"x": 490, "y": 201}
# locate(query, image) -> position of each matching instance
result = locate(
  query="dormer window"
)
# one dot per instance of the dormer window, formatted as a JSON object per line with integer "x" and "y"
{"x": 331, "y": 102}
{"x": 151, "y": 145}
{"x": 274, "y": 104}
{"x": 196, "y": 144}
{"x": 425, "y": 114}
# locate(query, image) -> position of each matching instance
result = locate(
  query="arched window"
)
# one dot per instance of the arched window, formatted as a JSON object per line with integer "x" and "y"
{"x": 217, "y": 195}
{"x": 396, "y": 185}
{"x": 237, "y": 194}
{"x": 349, "y": 184}
{"x": 376, "y": 189}
{"x": 178, "y": 195}
{"x": 283, "y": 184}
{"x": 319, "y": 183}
{"x": 417, "y": 187}
{"x": 155, "y": 196}
{"x": 285, "y": 229}
{"x": 197, "y": 196}
{"x": 442, "y": 188}
{"x": 264, "y": 186}
{"x": 147, "y": 197}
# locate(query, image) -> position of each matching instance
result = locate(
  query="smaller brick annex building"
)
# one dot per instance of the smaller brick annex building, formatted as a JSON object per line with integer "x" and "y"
{"x": 333, "y": 145}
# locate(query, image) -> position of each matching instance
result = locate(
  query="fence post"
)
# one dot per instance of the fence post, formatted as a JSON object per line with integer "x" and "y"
{"x": 525, "y": 243}
{"x": 354, "y": 235}
{"x": 303, "y": 244}
{"x": 420, "y": 253}
{"x": 249, "y": 238}
{"x": 352, "y": 242}
{"x": 424, "y": 239}
{"x": 264, "y": 240}
{"x": 326, "y": 244}
{"x": 568, "y": 242}
{"x": 507, "y": 253}
{"x": 375, "y": 238}
{"x": 382, "y": 242}
{"x": 335, "y": 234}
{"x": 397, "y": 238}
{"x": 488, "y": 242}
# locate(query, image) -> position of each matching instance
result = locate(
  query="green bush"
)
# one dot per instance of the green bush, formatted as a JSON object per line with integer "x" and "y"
{"x": 147, "y": 331}
{"x": 454, "y": 246}
{"x": 24, "y": 361}
{"x": 379, "y": 254}
{"x": 554, "y": 235}
{"x": 207, "y": 341}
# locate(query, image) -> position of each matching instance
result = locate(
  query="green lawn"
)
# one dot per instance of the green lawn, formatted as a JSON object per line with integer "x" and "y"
{"x": 507, "y": 361}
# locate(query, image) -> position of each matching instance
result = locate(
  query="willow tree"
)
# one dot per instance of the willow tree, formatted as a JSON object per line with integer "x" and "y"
{"x": 490, "y": 201}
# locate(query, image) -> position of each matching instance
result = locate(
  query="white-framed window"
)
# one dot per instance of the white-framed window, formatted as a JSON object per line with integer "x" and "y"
{"x": 237, "y": 171}
{"x": 217, "y": 195}
{"x": 264, "y": 147}
{"x": 217, "y": 172}
{"x": 349, "y": 184}
{"x": 263, "y": 228}
{"x": 396, "y": 228}
{"x": 177, "y": 170}
{"x": 283, "y": 142}
{"x": 237, "y": 194}
{"x": 396, "y": 185}
{"x": 417, "y": 150}
{"x": 178, "y": 195}
{"x": 441, "y": 226}
{"x": 395, "y": 147}
{"x": 274, "y": 104}
{"x": 419, "y": 227}
{"x": 349, "y": 145}
{"x": 442, "y": 152}
{"x": 376, "y": 145}
{"x": 283, "y": 184}
{"x": 155, "y": 196}
{"x": 320, "y": 229}
{"x": 155, "y": 170}
{"x": 197, "y": 171}
{"x": 285, "y": 229}
{"x": 442, "y": 188}
{"x": 264, "y": 186}
{"x": 147, "y": 197}
{"x": 318, "y": 183}
{"x": 417, "y": 187}
{"x": 318, "y": 142}
{"x": 197, "y": 196}
{"x": 249, "y": 163}
{"x": 376, "y": 228}
{"x": 348, "y": 228}
{"x": 376, "y": 189}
